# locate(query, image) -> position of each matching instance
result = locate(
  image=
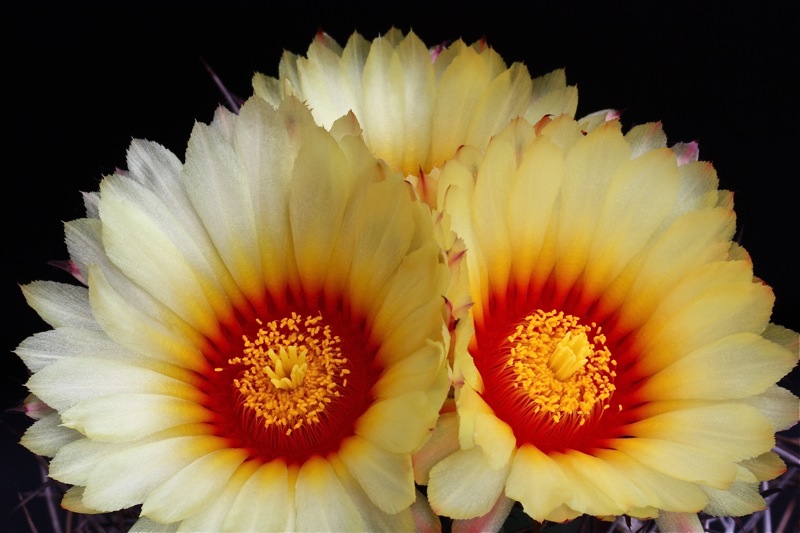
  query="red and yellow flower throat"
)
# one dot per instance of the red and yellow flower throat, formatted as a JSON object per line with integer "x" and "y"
{"x": 555, "y": 370}
{"x": 291, "y": 382}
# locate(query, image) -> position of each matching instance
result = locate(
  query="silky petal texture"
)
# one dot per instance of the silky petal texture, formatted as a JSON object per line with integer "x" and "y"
{"x": 68, "y": 381}
{"x": 491, "y": 521}
{"x": 124, "y": 417}
{"x": 111, "y": 485}
{"x": 47, "y": 347}
{"x": 632, "y": 235}
{"x": 536, "y": 481}
{"x": 179, "y": 496}
{"x": 59, "y": 304}
{"x": 471, "y": 486}
{"x": 322, "y": 503}
{"x": 47, "y": 436}
{"x": 412, "y": 107}
{"x": 442, "y": 442}
{"x": 384, "y": 424}
{"x": 146, "y": 525}
{"x": 683, "y": 522}
{"x": 264, "y": 502}
{"x": 737, "y": 373}
{"x": 269, "y": 212}
{"x": 374, "y": 518}
{"x": 387, "y": 478}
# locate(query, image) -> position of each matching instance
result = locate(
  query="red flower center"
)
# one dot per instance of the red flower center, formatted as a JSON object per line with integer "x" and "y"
{"x": 555, "y": 369}
{"x": 289, "y": 382}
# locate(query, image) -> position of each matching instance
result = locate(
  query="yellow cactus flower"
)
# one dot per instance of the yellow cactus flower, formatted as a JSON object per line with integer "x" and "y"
{"x": 416, "y": 104}
{"x": 618, "y": 357}
{"x": 260, "y": 345}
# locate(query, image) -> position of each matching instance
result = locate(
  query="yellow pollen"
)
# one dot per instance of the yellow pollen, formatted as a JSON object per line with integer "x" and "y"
{"x": 563, "y": 373}
{"x": 294, "y": 370}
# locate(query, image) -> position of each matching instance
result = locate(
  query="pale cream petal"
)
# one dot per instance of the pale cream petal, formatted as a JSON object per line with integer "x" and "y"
{"x": 317, "y": 205}
{"x": 766, "y": 466}
{"x": 417, "y": 371}
{"x": 551, "y": 96}
{"x": 264, "y": 502}
{"x": 84, "y": 238}
{"x": 598, "y": 486}
{"x": 589, "y": 168}
{"x": 192, "y": 488}
{"x": 783, "y": 337}
{"x": 534, "y": 196}
{"x": 491, "y": 521}
{"x": 733, "y": 431}
{"x": 212, "y": 516}
{"x": 424, "y": 519}
{"x": 126, "y": 476}
{"x": 491, "y": 199}
{"x": 442, "y": 442}
{"x": 124, "y": 417}
{"x": 399, "y": 424}
{"x": 68, "y": 381}
{"x": 375, "y": 519}
{"x": 504, "y": 99}
{"x": 536, "y": 481}
{"x": 714, "y": 301}
{"x": 646, "y": 137}
{"x": 322, "y": 502}
{"x": 663, "y": 490}
{"x": 385, "y": 100}
{"x": 73, "y": 502}
{"x": 47, "y": 347}
{"x": 387, "y": 478}
{"x": 60, "y": 304}
{"x": 743, "y": 364}
{"x": 740, "y": 499}
{"x": 161, "y": 336}
{"x": 460, "y": 88}
{"x": 146, "y": 525}
{"x": 47, "y": 436}
{"x": 683, "y": 522}
{"x": 692, "y": 240}
{"x": 217, "y": 184}
{"x": 640, "y": 196}
{"x": 74, "y": 461}
{"x": 136, "y": 239}
{"x": 495, "y": 437}
{"x": 681, "y": 461}
{"x": 779, "y": 405}
{"x": 463, "y": 485}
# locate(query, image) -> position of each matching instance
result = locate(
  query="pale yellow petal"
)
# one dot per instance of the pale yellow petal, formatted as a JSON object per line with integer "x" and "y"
{"x": 322, "y": 503}
{"x": 399, "y": 424}
{"x": 387, "y": 478}
{"x": 463, "y": 485}
{"x": 181, "y": 496}
{"x": 122, "y": 477}
{"x": 129, "y": 416}
{"x": 536, "y": 481}
{"x": 47, "y": 436}
{"x": 264, "y": 502}
{"x": 60, "y": 304}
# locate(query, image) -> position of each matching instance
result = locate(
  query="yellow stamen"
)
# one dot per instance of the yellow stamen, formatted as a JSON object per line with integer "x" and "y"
{"x": 562, "y": 371}
{"x": 291, "y": 374}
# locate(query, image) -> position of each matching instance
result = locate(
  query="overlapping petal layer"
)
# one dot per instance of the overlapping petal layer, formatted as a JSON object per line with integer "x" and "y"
{"x": 416, "y": 105}
{"x": 618, "y": 356}
{"x": 260, "y": 346}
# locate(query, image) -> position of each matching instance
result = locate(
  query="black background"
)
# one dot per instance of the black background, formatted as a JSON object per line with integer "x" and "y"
{"x": 82, "y": 79}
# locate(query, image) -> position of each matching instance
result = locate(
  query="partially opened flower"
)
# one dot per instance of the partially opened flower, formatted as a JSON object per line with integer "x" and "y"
{"x": 260, "y": 346}
{"x": 618, "y": 357}
{"x": 416, "y": 105}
